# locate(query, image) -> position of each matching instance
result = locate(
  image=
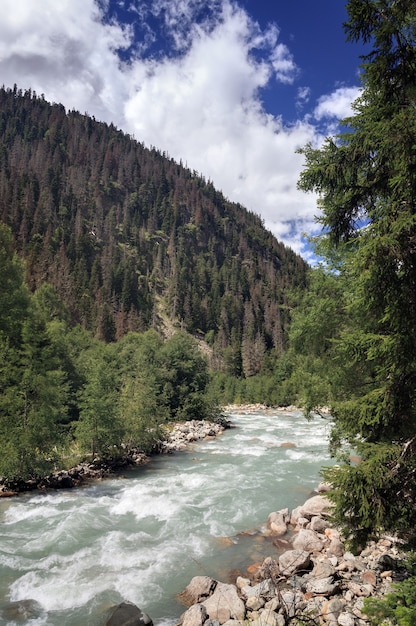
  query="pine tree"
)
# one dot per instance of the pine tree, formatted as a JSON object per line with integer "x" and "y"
{"x": 366, "y": 178}
{"x": 99, "y": 430}
{"x": 14, "y": 293}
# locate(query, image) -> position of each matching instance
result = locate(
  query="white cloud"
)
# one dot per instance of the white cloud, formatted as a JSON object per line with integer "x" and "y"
{"x": 336, "y": 104}
{"x": 201, "y": 103}
{"x": 283, "y": 64}
{"x": 63, "y": 50}
{"x": 303, "y": 96}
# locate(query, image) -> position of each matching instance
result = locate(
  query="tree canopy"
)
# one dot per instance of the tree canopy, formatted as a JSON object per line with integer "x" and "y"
{"x": 366, "y": 180}
{"x": 66, "y": 395}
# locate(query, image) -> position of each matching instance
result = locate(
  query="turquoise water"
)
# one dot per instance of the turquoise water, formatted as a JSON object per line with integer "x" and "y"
{"x": 142, "y": 537}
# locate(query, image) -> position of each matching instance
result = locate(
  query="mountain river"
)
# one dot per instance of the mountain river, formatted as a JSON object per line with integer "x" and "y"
{"x": 143, "y": 536}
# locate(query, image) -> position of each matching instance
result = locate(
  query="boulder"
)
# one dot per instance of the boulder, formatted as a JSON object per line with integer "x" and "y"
{"x": 65, "y": 481}
{"x": 331, "y": 609}
{"x": 277, "y": 522}
{"x": 346, "y": 619}
{"x": 242, "y": 582}
{"x": 369, "y": 577}
{"x": 323, "y": 568}
{"x": 198, "y": 590}
{"x": 269, "y": 569}
{"x": 314, "y": 608}
{"x": 225, "y": 604}
{"x": 273, "y": 604}
{"x": 196, "y": 615}
{"x": 268, "y": 618}
{"x": 302, "y": 522}
{"x": 308, "y": 540}
{"x": 332, "y": 533}
{"x": 322, "y": 586}
{"x": 127, "y": 614}
{"x": 336, "y": 548}
{"x": 20, "y": 611}
{"x": 293, "y": 561}
{"x": 318, "y": 524}
{"x": 361, "y": 591}
{"x": 264, "y": 589}
{"x": 296, "y": 513}
{"x": 317, "y": 505}
{"x": 254, "y": 603}
{"x": 324, "y": 487}
{"x": 292, "y": 602}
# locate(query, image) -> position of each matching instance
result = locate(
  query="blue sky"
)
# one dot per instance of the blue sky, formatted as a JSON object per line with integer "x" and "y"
{"x": 232, "y": 88}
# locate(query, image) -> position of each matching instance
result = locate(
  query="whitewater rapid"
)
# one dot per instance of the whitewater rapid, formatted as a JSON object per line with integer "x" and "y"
{"x": 141, "y": 537}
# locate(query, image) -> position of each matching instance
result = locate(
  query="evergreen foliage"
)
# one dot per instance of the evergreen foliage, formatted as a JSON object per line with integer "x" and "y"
{"x": 397, "y": 607}
{"x": 366, "y": 178}
{"x": 65, "y": 394}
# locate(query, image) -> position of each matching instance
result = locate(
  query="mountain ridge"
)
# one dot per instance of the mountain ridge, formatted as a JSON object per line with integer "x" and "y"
{"x": 128, "y": 236}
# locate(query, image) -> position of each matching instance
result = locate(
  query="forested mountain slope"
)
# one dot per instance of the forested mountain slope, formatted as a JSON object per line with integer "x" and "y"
{"x": 125, "y": 234}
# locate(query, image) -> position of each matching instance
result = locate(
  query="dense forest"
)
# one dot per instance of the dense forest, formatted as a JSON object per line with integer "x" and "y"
{"x": 65, "y": 395}
{"x": 132, "y": 240}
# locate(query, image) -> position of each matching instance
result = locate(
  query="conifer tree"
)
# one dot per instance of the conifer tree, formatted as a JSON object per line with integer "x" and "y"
{"x": 99, "y": 430}
{"x": 366, "y": 179}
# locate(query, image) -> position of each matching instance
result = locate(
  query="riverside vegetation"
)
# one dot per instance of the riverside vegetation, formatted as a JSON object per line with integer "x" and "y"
{"x": 104, "y": 243}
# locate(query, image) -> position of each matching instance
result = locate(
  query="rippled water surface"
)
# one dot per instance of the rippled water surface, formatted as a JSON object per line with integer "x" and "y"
{"x": 141, "y": 538}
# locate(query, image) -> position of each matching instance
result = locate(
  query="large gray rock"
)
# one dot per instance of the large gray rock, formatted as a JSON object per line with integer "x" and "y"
{"x": 20, "y": 611}
{"x": 318, "y": 524}
{"x": 269, "y": 618}
{"x": 308, "y": 540}
{"x": 293, "y": 561}
{"x": 331, "y": 610}
{"x": 225, "y": 604}
{"x": 292, "y": 602}
{"x": 336, "y": 547}
{"x": 198, "y": 590}
{"x": 196, "y": 615}
{"x": 277, "y": 522}
{"x": 254, "y": 603}
{"x": 322, "y": 586}
{"x": 269, "y": 569}
{"x": 264, "y": 589}
{"x": 323, "y": 568}
{"x": 346, "y": 619}
{"x": 127, "y": 614}
{"x": 295, "y": 515}
{"x": 317, "y": 505}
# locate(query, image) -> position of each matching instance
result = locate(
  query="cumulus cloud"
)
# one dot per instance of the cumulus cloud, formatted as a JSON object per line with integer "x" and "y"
{"x": 283, "y": 64}
{"x": 63, "y": 49}
{"x": 200, "y": 100}
{"x": 303, "y": 96}
{"x": 336, "y": 104}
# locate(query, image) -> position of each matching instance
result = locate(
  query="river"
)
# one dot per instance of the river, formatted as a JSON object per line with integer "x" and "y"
{"x": 142, "y": 537}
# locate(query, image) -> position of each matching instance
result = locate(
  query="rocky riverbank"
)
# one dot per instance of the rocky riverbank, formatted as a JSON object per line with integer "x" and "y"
{"x": 179, "y": 437}
{"x": 315, "y": 579}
